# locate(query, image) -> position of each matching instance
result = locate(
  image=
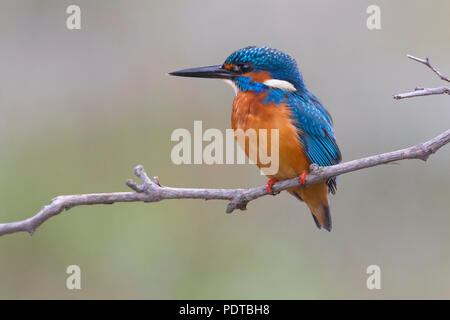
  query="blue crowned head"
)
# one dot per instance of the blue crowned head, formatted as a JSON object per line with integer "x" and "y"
{"x": 272, "y": 64}
{"x": 254, "y": 67}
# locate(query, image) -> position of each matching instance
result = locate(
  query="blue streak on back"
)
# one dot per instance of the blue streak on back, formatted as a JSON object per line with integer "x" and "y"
{"x": 316, "y": 131}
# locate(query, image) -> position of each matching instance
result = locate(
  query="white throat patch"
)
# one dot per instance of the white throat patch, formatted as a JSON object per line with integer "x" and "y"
{"x": 280, "y": 84}
{"x": 231, "y": 83}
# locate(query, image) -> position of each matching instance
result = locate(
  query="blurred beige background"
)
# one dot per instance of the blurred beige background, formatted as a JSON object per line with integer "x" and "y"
{"x": 79, "y": 109}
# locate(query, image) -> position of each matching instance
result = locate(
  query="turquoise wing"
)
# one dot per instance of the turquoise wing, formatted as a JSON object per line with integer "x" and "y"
{"x": 316, "y": 132}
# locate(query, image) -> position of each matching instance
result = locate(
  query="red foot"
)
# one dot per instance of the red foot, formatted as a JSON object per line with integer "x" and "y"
{"x": 269, "y": 185}
{"x": 302, "y": 178}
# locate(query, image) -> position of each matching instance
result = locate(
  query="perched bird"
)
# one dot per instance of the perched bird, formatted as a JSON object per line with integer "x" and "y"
{"x": 271, "y": 94}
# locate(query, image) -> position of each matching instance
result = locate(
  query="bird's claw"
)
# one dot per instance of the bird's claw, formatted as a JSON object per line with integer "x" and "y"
{"x": 269, "y": 185}
{"x": 302, "y": 178}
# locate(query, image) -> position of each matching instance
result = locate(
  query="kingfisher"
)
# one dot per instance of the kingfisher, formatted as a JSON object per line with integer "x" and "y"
{"x": 271, "y": 94}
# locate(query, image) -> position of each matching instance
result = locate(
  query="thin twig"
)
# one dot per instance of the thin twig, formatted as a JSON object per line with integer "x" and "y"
{"x": 426, "y": 62}
{"x": 425, "y": 91}
{"x": 152, "y": 191}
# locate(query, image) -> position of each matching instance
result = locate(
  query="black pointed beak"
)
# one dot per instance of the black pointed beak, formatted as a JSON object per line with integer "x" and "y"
{"x": 213, "y": 72}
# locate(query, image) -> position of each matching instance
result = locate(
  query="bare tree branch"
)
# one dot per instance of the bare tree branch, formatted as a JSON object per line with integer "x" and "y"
{"x": 152, "y": 191}
{"x": 425, "y": 91}
{"x": 428, "y": 64}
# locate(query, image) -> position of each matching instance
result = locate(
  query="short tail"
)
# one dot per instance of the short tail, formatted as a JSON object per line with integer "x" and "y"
{"x": 324, "y": 220}
{"x": 316, "y": 198}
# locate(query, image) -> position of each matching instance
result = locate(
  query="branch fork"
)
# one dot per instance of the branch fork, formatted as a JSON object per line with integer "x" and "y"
{"x": 419, "y": 91}
{"x": 147, "y": 186}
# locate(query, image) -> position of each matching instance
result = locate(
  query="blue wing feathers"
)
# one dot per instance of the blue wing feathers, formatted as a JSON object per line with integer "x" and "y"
{"x": 315, "y": 126}
{"x": 316, "y": 131}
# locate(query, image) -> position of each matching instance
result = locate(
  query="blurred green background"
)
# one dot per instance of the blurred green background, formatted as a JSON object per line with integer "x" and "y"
{"x": 79, "y": 109}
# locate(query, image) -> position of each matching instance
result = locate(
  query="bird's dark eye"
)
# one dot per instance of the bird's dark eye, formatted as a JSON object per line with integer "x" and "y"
{"x": 245, "y": 68}
{"x": 241, "y": 68}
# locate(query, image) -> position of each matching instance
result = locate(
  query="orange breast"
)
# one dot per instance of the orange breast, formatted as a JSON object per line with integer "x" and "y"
{"x": 249, "y": 112}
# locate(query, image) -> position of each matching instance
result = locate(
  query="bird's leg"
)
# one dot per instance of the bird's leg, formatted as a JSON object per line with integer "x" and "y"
{"x": 302, "y": 178}
{"x": 269, "y": 185}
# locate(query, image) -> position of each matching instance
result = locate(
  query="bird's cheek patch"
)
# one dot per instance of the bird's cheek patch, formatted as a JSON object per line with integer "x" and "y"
{"x": 228, "y": 66}
{"x": 259, "y": 76}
